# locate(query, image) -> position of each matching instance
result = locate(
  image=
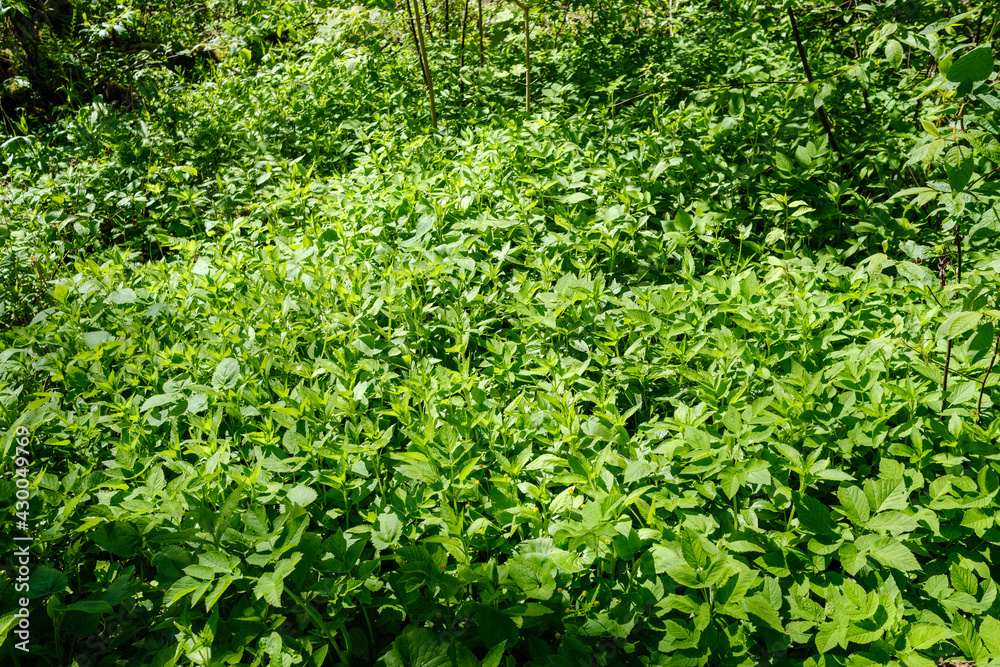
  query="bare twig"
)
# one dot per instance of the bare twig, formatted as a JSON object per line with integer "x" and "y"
{"x": 805, "y": 65}
{"x": 982, "y": 386}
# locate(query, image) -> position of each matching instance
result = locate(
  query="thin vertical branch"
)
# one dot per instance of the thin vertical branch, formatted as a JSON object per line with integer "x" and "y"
{"x": 416, "y": 41}
{"x": 809, "y": 77}
{"x": 857, "y": 56}
{"x": 480, "y": 32}
{"x": 447, "y": 18}
{"x": 461, "y": 62}
{"x": 418, "y": 36}
{"x": 527, "y": 56}
{"x": 958, "y": 273}
{"x": 944, "y": 383}
{"x": 427, "y": 15}
{"x": 982, "y": 386}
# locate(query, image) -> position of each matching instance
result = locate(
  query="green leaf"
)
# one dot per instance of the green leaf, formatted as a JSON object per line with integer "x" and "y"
{"x": 959, "y": 166}
{"x": 891, "y": 553}
{"x": 958, "y": 323}
{"x": 179, "y": 589}
{"x": 915, "y": 273}
{"x": 922, "y": 636}
{"x": 94, "y": 338}
{"x": 574, "y": 198}
{"x": 269, "y": 587}
{"x": 117, "y": 537}
{"x": 976, "y": 65}
{"x": 759, "y": 606}
{"x": 227, "y": 373}
{"x": 990, "y": 633}
{"x": 45, "y": 581}
{"x": 424, "y": 225}
{"x": 830, "y": 635}
{"x": 893, "y": 53}
{"x": 90, "y": 607}
{"x": 495, "y": 655}
{"x": 783, "y": 162}
{"x": 386, "y": 531}
{"x": 301, "y": 495}
{"x": 854, "y": 504}
{"x": 160, "y": 400}
{"x": 963, "y": 580}
{"x": 886, "y": 494}
{"x": 981, "y": 345}
{"x": 124, "y": 295}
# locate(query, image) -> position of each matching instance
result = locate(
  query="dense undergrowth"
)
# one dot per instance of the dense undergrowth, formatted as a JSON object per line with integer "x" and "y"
{"x": 664, "y": 372}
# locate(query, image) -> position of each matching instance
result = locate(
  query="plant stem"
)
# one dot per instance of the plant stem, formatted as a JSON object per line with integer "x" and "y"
{"x": 461, "y": 63}
{"x": 805, "y": 66}
{"x": 947, "y": 359}
{"x": 480, "y": 32}
{"x": 427, "y": 15}
{"x": 422, "y": 48}
{"x": 527, "y": 56}
{"x": 982, "y": 386}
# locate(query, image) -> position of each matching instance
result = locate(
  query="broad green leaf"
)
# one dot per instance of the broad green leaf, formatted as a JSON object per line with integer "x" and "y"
{"x": 160, "y": 400}
{"x": 893, "y": 53}
{"x": 90, "y": 607}
{"x": 976, "y": 65}
{"x": 831, "y": 635}
{"x": 227, "y": 374}
{"x": 922, "y": 636}
{"x": 959, "y": 323}
{"x": 916, "y": 274}
{"x": 301, "y": 495}
{"x": 764, "y": 610}
{"x": 117, "y": 537}
{"x": 891, "y": 553}
{"x": 886, "y": 494}
{"x": 122, "y": 296}
{"x": 269, "y": 587}
{"x": 45, "y": 581}
{"x": 959, "y": 166}
{"x": 854, "y": 504}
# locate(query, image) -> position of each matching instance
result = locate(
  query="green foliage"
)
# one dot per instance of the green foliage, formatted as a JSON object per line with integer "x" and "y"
{"x": 654, "y": 375}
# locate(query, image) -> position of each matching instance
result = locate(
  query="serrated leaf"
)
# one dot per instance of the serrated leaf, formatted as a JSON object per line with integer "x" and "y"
{"x": 893, "y": 522}
{"x": 886, "y": 494}
{"x": 915, "y": 274}
{"x": 227, "y": 373}
{"x": 891, "y": 553}
{"x": 831, "y": 635}
{"x": 269, "y": 587}
{"x": 854, "y": 504}
{"x": 762, "y": 609}
{"x": 959, "y": 323}
{"x": 922, "y": 636}
{"x": 301, "y": 495}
